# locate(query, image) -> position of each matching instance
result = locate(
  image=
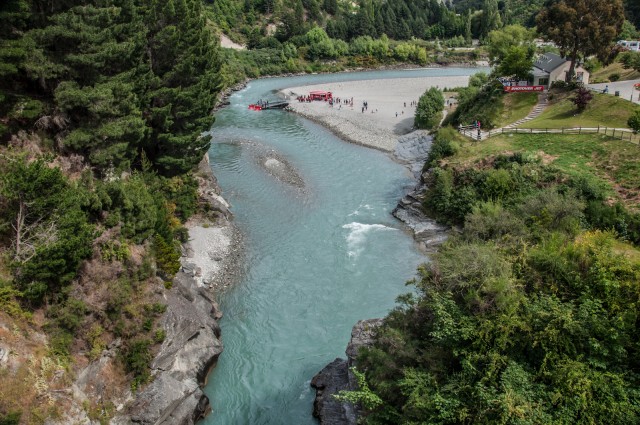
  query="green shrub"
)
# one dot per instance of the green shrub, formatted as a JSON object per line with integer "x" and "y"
{"x": 10, "y": 418}
{"x": 442, "y": 146}
{"x": 429, "y": 109}
{"x": 549, "y": 210}
{"x": 9, "y": 302}
{"x": 137, "y": 358}
{"x": 159, "y": 336}
{"x": 497, "y": 184}
{"x": 167, "y": 255}
{"x": 134, "y": 206}
{"x": 489, "y": 220}
{"x": 614, "y": 77}
{"x": 634, "y": 121}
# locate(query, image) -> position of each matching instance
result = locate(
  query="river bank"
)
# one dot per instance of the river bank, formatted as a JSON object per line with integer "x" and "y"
{"x": 370, "y": 113}
{"x": 211, "y": 260}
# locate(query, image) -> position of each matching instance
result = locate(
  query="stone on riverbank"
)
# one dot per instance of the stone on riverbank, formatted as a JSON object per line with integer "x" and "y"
{"x": 336, "y": 377}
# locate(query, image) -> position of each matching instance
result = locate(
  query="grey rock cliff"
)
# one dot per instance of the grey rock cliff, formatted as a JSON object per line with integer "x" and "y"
{"x": 189, "y": 351}
{"x": 192, "y": 343}
{"x": 336, "y": 377}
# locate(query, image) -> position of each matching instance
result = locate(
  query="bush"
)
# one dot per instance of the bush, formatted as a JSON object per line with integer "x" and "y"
{"x": 549, "y": 210}
{"x": 167, "y": 256}
{"x": 478, "y": 104}
{"x": 10, "y": 418}
{"x": 489, "y": 220}
{"x": 582, "y": 98}
{"x": 429, "y": 110}
{"x": 137, "y": 357}
{"x": 614, "y": 77}
{"x": 442, "y": 146}
{"x": 634, "y": 121}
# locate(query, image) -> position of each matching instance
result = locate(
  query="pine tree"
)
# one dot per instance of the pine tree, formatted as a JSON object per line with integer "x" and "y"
{"x": 184, "y": 63}
{"x": 92, "y": 80}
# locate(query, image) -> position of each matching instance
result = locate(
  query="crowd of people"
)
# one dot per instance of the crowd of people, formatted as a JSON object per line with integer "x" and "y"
{"x": 333, "y": 101}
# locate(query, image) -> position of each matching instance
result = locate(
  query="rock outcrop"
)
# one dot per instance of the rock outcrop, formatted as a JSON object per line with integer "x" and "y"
{"x": 192, "y": 343}
{"x": 426, "y": 231}
{"x": 191, "y": 347}
{"x": 337, "y": 376}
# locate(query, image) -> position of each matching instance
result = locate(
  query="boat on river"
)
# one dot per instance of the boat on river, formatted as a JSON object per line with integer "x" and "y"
{"x": 259, "y": 106}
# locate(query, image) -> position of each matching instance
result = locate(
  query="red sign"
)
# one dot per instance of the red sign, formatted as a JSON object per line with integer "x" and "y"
{"x": 509, "y": 89}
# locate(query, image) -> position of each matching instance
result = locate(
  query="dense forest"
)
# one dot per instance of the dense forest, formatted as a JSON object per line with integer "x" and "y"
{"x": 102, "y": 109}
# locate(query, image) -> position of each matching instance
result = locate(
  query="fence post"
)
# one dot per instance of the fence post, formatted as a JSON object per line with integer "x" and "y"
{"x": 562, "y": 130}
{"x": 614, "y": 133}
{"x": 580, "y": 130}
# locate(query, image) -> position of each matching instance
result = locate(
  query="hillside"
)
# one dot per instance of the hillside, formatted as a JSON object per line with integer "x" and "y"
{"x": 528, "y": 311}
{"x": 102, "y": 107}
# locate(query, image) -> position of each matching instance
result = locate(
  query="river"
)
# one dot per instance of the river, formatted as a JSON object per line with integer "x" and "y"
{"x": 319, "y": 256}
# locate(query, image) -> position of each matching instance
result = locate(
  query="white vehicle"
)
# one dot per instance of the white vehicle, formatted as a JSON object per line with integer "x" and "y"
{"x": 633, "y": 45}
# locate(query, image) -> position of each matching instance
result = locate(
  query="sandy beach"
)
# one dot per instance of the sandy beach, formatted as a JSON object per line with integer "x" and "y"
{"x": 389, "y": 114}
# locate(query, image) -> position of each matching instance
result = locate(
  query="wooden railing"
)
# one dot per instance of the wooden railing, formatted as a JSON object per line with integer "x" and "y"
{"x": 617, "y": 133}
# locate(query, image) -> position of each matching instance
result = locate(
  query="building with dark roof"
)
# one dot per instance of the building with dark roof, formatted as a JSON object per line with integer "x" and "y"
{"x": 550, "y": 67}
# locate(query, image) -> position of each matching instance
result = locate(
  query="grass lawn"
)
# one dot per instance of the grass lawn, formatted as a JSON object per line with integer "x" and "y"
{"x": 516, "y": 106}
{"x": 603, "y": 111}
{"x": 612, "y": 161}
{"x": 603, "y": 74}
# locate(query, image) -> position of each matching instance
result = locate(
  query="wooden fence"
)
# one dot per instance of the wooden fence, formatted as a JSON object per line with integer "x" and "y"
{"x": 617, "y": 133}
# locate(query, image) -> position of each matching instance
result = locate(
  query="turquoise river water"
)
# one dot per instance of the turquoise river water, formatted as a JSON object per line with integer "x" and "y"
{"x": 318, "y": 259}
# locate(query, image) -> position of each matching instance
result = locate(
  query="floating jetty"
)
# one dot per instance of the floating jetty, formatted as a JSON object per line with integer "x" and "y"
{"x": 268, "y": 105}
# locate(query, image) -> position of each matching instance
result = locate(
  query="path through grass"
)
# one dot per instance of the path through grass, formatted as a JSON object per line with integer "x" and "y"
{"x": 603, "y": 111}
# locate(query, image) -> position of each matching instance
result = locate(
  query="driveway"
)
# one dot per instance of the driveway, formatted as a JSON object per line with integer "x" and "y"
{"x": 624, "y": 87}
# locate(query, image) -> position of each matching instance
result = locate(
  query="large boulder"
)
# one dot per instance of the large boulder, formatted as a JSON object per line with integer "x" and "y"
{"x": 337, "y": 376}
{"x": 189, "y": 351}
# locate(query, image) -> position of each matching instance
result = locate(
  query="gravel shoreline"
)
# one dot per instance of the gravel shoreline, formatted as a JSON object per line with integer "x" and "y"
{"x": 389, "y": 113}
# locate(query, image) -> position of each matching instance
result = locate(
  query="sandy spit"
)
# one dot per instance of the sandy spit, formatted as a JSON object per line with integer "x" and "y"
{"x": 389, "y": 113}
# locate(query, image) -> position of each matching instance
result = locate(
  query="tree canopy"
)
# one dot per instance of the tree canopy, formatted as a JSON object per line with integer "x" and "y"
{"x": 527, "y": 316}
{"x": 581, "y": 27}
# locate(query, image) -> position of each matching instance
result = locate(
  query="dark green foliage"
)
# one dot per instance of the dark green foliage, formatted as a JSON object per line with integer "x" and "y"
{"x": 523, "y": 318}
{"x": 477, "y": 104}
{"x": 184, "y": 85}
{"x": 634, "y": 121}
{"x": 443, "y": 146}
{"x": 429, "y": 109}
{"x": 125, "y": 80}
{"x": 581, "y": 27}
{"x": 132, "y": 206}
{"x": 137, "y": 357}
{"x": 10, "y": 418}
{"x": 49, "y": 231}
{"x": 65, "y": 319}
{"x": 167, "y": 255}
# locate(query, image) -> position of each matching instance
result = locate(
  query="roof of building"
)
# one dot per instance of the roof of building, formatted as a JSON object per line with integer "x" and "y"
{"x": 537, "y": 72}
{"x": 549, "y": 61}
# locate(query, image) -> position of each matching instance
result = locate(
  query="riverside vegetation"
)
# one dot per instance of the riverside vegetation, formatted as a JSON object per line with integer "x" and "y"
{"x": 528, "y": 313}
{"x": 102, "y": 107}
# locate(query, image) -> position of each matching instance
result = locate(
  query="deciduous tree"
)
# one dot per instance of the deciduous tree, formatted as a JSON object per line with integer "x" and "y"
{"x": 429, "y": 110}
{"x": 581, "y": 27}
